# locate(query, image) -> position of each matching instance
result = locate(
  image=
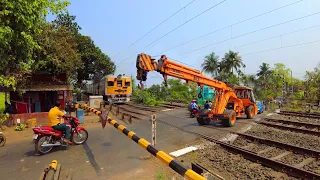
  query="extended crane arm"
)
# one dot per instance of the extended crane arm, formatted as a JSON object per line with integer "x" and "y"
{"x": 145, "y": 64}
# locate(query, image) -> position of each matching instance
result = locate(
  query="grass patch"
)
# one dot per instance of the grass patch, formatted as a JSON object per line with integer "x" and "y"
{"x": 161, "y": 175}
{"x": 2, "y": 98}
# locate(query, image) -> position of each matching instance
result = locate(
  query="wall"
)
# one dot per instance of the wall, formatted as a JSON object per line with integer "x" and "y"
{"x": 42, "y": 118}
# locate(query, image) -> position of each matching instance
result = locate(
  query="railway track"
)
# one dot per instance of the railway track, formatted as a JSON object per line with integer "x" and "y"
{"x": 295, "y": 126}
{"x": 300, "y": 114}
{"x": 133, "y": 111}
{"x": 278, "y": 153}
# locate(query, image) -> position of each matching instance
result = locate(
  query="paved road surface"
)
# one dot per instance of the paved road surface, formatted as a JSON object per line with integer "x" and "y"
{"x": 107, "y": 152}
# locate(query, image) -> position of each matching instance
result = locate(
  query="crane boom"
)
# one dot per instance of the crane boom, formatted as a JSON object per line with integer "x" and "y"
{"x": 227, "y": 104}
{"x": 170, "y": 68}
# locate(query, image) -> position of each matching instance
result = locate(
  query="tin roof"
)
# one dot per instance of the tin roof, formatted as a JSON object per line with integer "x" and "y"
{"x": 48, "y": 86}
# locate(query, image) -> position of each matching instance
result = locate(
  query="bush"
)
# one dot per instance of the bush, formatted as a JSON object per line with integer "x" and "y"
{"x": 3, "y": 117}
{"x": 21, "y": 127}
{"x": 157, "y": 94}
{"x": 145, "y": 97}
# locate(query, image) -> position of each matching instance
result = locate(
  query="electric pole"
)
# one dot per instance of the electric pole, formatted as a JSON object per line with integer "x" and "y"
{"x": 291, "y": 84}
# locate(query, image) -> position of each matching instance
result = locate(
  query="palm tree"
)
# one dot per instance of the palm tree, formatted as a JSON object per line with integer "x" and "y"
{"x": 211, "y": 64}
{"x": 264, "y": 70}
{"x": 232, "y": 61}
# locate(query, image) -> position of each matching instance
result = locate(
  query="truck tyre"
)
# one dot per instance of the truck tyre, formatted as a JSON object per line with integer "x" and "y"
{"x": 229, "y": 122}
{"x": 249, "y": 112}
{"x": 202, "y": 121}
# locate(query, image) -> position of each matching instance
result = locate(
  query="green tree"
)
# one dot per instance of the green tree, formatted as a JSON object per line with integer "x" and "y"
{"x": 94, "y": 63}
{"x": 232, "y": 61}
{"x": 58, "y": 51}
{"x": 19, "y": 22}
{"x": 211, "y": 64}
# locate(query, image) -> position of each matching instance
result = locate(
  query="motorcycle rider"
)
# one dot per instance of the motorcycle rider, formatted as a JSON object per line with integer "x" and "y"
{"x": 55, "y": 120}
{"x": 207, "y": 105}
{"x": 194, "y": 105}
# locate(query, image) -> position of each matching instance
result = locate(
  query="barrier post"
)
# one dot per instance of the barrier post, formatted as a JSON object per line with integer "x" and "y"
{"x": 118, "y": 110}
{"x": 153, "y": 129}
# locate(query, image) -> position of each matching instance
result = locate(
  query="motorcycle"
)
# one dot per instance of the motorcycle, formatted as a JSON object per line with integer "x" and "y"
{"x": 46, "y": 138}
{"x": 2, "y": 139}
{"x": 193, "y": 112}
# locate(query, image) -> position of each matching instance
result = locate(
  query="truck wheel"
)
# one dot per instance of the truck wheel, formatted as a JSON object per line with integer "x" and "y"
{"x": 229, "y": 122}
{"x": 202, "y": 121}
{"x": 249, "y": 112}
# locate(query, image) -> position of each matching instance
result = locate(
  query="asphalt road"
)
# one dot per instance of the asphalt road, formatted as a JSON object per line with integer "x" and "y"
{"x": 108, "y": 152}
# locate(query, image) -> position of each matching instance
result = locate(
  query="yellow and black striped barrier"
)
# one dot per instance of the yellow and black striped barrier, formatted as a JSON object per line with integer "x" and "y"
{"x": 164, "y": 157}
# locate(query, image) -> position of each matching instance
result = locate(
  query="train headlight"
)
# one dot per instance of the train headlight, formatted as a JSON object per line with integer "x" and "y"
{"x": 112, "y": 95}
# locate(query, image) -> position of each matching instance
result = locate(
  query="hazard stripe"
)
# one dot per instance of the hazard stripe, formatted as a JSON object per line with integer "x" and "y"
{"x": 164, "y": 157}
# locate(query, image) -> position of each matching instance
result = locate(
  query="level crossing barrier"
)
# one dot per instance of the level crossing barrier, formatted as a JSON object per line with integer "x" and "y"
{"x": 161, "y": 155}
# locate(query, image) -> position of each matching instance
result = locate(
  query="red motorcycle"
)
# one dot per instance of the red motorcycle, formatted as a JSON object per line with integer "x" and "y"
{"x": 45, "y": 137}
{"x": 193, "y": 112}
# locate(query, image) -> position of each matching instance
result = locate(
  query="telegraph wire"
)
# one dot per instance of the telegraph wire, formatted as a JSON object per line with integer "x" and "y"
{"x": 252, "y": 32}
{"x": 289, "y": 46}
{"x": 292, "y": 32}
{"x": 186, "y": 22}
{"x": 137, "y": 40}
{"x": 212, "y": 32}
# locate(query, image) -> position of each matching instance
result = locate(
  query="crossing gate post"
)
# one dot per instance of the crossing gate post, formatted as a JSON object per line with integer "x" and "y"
{"x": 118, "y": 110}
{"x": 153, "y": 129}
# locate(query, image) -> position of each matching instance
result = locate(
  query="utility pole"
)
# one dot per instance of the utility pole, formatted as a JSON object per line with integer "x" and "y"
{"x": 291, "y": 84}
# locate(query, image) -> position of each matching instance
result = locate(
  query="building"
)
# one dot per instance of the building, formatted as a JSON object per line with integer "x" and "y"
{"x": 39, "y": 96}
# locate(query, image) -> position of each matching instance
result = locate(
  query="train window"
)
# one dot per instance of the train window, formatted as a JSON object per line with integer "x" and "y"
{"x": 110, "y": 83}
{"x": 127, "y": 84}
{"x": 119, "y": 83}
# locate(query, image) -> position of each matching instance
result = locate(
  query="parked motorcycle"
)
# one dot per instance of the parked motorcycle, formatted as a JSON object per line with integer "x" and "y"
{"x": 45, "y": 137}
{"x": 2, "y": 139}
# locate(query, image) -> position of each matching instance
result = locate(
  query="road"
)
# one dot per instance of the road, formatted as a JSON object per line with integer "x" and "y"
{"x": 109, "y": 153}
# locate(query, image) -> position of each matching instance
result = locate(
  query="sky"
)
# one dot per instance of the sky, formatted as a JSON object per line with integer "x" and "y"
{"x": 115, "y": 25}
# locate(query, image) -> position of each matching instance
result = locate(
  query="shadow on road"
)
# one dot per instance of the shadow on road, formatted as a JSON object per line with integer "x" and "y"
{"x": 106, "y": 144}
{"x": 92, "y": 159}
{"x": 33, "y": 152}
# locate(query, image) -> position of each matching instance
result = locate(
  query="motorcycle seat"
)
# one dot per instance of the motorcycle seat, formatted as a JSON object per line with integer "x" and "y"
{"x": 49, "y": 128}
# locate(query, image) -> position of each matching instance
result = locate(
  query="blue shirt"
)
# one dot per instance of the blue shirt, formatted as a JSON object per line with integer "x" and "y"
{"x": 194, "y": 106}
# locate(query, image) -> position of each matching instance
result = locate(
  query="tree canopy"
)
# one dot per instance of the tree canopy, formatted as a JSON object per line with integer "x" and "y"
{"x": 29, "y": 44}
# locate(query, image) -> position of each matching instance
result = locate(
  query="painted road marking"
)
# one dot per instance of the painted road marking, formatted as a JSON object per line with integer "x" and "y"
{"x": 183, "y": 151}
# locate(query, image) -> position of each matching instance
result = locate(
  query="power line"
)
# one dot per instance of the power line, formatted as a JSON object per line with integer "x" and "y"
{"x": 289, "y": 46}
{"x": 137, "y": 40}
{"x": 186, "y": 22}
{"x": 182, "y": 62}
{"x": 252, "y": 32}
{"x": 242, "y": 21}
{"x": 277, "y": 36}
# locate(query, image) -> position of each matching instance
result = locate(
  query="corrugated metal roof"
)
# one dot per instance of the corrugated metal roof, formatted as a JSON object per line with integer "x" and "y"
{"x": 48, "y": 87}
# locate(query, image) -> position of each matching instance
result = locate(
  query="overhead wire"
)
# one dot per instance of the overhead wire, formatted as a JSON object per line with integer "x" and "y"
{"x": 283, "y": 47}
{"x": 186, "y": 22}
{"x": 266, "y": 39}
{"x": 251, "y": 32}
{"x": 137, "y": 40}
{"x": 175, "y": 29}
{"x": 242, "y": 21}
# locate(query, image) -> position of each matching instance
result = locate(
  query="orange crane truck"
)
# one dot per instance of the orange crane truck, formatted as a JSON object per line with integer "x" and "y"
{"x": 228, "y": 103}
